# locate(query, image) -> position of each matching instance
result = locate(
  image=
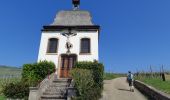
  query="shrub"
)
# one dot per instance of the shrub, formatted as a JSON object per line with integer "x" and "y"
{"x": 97, "y": 70}
{"x": 4, "y": 82}
{"x": 16, "y": 90}
{"x": 34, "y": 73}
{"x": 83, "y": 82}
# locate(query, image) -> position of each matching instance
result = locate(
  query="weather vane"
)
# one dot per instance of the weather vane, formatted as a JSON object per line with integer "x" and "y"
{"x": 76, "y": 4}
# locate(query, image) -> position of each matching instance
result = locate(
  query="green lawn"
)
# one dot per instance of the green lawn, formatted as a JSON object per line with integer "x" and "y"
{"x": 2, "y": 97}
{"x": 164, "y": 86}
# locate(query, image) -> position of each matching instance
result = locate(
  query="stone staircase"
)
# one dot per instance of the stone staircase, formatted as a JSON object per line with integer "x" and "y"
{"x": 57, "y": 90}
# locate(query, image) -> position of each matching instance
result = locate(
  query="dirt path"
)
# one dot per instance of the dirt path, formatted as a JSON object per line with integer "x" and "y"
{"x": 118, "y": 89}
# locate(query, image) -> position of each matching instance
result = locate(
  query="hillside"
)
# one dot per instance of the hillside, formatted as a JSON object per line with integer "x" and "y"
{"x": 12, "y": 71}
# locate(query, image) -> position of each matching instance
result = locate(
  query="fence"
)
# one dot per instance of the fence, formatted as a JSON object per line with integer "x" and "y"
{"x": 162, "y": 74}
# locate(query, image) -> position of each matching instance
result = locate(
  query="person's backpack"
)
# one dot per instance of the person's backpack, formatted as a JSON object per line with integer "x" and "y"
{"x": 129, "y": 77}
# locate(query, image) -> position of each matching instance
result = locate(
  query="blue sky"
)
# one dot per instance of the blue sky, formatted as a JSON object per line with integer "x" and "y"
{"x": 134, "y": 33}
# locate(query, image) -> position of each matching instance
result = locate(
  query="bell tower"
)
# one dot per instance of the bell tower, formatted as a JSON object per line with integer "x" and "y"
{"x": 76, "y": 4}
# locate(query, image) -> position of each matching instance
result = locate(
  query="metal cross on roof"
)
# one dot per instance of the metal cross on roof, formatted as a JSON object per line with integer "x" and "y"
{"x": 76, "y": 4}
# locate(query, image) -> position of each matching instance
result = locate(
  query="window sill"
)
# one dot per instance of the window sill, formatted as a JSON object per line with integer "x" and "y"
{"x": 51, "y": 53}
{"x": 85, "y": 53}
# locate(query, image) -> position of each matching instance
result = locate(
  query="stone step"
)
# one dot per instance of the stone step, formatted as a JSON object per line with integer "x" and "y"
{"x": 52, "y": 93}
{"x": 58, "y": 85}
{"x": 55, "y": 90}
{"x": 53, "y": 97}
{"x": 61, "y": 80}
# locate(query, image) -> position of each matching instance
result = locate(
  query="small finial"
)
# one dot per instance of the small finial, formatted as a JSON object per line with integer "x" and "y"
{"x": 76, "y": 4}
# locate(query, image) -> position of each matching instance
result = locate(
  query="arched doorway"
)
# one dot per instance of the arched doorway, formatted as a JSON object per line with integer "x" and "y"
{"x": 66, "y": 64}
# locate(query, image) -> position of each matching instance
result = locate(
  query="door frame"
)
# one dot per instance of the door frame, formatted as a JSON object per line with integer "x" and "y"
{"x": 60, "y": 61}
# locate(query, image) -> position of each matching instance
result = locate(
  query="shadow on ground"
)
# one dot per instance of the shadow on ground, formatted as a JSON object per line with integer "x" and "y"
{"x": 123, "y": 89}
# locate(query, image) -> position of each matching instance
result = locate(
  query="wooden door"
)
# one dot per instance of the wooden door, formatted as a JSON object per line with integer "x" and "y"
{"x": 67, "y": 63}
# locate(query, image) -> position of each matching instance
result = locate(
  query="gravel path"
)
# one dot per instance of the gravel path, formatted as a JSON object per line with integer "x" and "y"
{"x": 118, "y": 89}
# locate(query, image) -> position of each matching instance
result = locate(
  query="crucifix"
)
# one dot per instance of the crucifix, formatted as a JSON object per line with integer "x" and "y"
{"x": 68, "y": 34}
{"x": 76, "y": 4}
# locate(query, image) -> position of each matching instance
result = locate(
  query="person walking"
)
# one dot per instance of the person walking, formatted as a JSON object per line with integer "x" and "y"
{"x": 130, "y": 79}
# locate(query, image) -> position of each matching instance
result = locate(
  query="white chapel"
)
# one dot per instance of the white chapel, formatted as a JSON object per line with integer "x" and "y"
{"x": 71, "y": 37}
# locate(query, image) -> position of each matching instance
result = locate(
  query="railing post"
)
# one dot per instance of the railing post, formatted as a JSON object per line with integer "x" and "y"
{"x": 33, "y": 95}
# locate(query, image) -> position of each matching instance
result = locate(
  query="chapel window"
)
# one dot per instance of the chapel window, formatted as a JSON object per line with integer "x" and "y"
{"x": 85, "y": 45}
{"x": 52, "y": 45}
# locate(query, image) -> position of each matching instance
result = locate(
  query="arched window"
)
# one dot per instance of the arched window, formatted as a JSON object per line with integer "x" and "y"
{"x": 52, "y": 45}
{"x": 85, "y": 45}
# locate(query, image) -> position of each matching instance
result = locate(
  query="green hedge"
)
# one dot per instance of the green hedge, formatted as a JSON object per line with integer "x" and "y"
{"x": 83, "y": 82}
{"x": 32, "y": 74}
{"x": 97, "y": 70}
{"x": 35, "y": 73}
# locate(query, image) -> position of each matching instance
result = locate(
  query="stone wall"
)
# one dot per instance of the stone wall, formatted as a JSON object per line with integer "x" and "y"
{"x": 151, "y": 92}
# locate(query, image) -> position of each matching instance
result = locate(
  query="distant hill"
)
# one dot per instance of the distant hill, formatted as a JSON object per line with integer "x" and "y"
{"x": 4, "y": 66}
{"x": 7, "y": 70}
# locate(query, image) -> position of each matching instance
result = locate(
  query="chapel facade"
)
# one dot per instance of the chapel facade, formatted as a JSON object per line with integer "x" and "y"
{"x": 71, "y": 37}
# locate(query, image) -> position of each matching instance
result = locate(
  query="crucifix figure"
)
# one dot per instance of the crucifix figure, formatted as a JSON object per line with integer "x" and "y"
{"x": 76, "y": 4}
{"x": 68, "y": 35}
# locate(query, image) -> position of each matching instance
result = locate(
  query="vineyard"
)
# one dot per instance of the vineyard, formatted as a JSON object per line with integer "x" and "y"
{"x": 8, "y": 75}
{"x": 160, "y": 80}
{"x": 163, "y": 74}
{"x": 9, "y": 71}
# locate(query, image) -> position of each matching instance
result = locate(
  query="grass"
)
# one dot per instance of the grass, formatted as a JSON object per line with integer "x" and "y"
{"x": 110, "y": 76}
{"x": 163, "y": 86}
{"x": 2, "y": 97}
